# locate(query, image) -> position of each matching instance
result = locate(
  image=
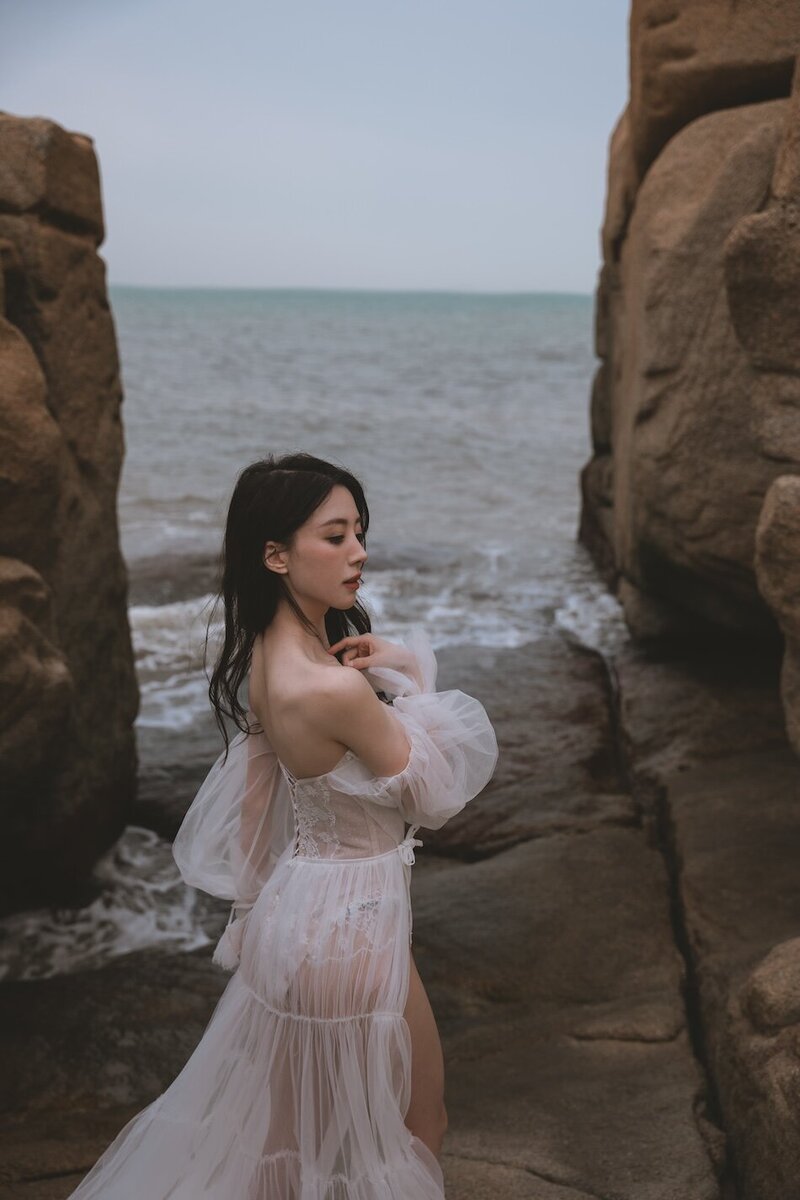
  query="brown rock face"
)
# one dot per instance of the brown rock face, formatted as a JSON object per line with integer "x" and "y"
{"x": 69, "y": 694}
{"x": 763, "y": 285}
{"x": 697, "y": 328}
{"x": 691, "y": 507}
{"x": 690, "y": 57}
{"x": 737, "y": 837}
{"x": 672, "y": 497}
{"x": 777, "y": 546}
{"x": 689, "y": 476}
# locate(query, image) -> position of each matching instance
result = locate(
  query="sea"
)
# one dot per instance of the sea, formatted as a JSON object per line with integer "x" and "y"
{"x": 466, "y": 418}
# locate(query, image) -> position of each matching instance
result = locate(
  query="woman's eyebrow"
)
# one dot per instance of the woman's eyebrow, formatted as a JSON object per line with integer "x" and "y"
{"x": 338, "y": 521}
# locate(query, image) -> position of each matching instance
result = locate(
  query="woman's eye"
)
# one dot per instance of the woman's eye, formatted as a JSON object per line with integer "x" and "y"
{"x": 362, "y": 537}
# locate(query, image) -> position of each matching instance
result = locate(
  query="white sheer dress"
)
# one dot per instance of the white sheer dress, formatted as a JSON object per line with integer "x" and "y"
{"x": 299, "y": 1086}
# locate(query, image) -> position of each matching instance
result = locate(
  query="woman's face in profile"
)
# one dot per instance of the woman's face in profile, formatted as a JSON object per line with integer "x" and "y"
{"x": 326, "y": 551}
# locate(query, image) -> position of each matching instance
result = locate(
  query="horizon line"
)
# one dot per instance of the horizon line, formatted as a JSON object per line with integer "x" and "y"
{"x": 223, "y": 287}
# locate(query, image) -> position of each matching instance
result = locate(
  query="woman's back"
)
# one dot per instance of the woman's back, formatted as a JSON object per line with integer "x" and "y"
{"x": 290, "y": 694}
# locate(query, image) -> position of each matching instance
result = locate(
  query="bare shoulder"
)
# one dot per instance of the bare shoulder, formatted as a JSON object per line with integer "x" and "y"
{"x": 324, "y": 707}
{"x": 349, "y": 710}
{"x": 292, "y": 684}
{"x": 337, "y": 698}
{"x": 343, "y": 683}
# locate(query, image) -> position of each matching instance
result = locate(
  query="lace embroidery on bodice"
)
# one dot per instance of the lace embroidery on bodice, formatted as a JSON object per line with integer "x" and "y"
{"x": 314, "y": 817}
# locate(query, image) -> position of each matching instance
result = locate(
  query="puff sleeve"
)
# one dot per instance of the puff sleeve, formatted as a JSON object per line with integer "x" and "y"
{"x": 236, "y": 830}
{"x": 453, "y": 746}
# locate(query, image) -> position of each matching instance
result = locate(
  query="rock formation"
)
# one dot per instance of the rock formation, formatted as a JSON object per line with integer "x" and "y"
{"x": 691, "y": 506}
{"x": 673, "y": 493}
{"x": 69, "y": 693}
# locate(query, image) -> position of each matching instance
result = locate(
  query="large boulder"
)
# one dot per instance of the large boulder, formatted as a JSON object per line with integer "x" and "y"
{"x": 693, "y": 404}
{"x": 691, "y": 508}
{"x": 67, "y": 748}
{"x": 685, "y": 475}
{"x": 691, "y": 57}
{"x": 762, "y": 263}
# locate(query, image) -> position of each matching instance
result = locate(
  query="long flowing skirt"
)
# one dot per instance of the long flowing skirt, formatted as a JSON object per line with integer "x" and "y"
{"x": 299, "y": 1086}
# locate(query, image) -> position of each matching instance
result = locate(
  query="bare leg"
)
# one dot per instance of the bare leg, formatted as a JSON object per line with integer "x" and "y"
{"x": 426, "y": 1116}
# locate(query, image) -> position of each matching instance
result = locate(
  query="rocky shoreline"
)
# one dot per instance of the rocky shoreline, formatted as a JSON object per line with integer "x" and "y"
{"x": 596, "y": 933}
{"x": 610, "y": 934}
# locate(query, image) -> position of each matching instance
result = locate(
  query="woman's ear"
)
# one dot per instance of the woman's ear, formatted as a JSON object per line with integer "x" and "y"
{"x": 274, "y": 557}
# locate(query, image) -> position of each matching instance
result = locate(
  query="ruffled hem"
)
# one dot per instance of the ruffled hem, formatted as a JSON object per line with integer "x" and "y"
{"x": 412, "y": 1174}
{"x": 372, "y": 1176}
{"x": 282, "y": 1103}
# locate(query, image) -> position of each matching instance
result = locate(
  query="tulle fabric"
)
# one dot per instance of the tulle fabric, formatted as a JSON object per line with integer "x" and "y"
{"x": 300, "y": 1084}
{"x": 453, "y": 754}
{"x": 239, "y": 823}
{"x": 237, "y": 830}
{"x": 299, "y": 1087}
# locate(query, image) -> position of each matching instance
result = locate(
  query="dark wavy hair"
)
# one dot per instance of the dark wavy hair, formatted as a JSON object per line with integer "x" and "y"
{"x": 272, "y": 498}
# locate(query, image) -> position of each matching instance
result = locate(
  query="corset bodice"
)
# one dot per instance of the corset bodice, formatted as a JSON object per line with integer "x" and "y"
{"x": 330, "y": 824}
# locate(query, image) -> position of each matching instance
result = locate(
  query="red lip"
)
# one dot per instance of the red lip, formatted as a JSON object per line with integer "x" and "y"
{"x": 355, "y": 579}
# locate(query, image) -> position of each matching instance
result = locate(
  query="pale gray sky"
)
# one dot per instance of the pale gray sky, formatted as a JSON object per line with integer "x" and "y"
{"x": 350, "y": 143}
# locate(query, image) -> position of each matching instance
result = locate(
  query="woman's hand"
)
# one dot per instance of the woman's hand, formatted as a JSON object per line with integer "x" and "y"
{"x": 366, "y": 650}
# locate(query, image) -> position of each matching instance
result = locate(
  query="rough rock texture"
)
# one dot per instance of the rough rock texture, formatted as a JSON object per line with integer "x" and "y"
{"x": 690, "y": 57}
{"x": 547, "y": 949}
{"x": 67, "y": 751}
{"x": 722, "y": 789}
{"x": 778, "y": 571}
{"x": 679, "y": 474}
{"x": 696, "y": 321}
{"x": 691, "y": 509}
{"x": 555, "y": 972}
{"x": 763, "y": 260}
{"x": 737, "y": 835}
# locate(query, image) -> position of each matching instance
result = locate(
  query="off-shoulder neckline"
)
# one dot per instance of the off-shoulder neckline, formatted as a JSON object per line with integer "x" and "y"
{"x": 348, "y": 754}
{"x": 313, "y": 778}
{"x": 302, "y": 778}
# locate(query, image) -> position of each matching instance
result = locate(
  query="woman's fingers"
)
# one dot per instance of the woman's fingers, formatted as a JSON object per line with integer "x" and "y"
{"x": 357, "y": 655}
{"x": 345, "y": 641}
{"x": 356, "y": 640}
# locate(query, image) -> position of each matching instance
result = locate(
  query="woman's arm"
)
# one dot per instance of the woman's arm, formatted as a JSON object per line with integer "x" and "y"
{"x": 348, "y": 711}
{"x": 430, "y": 752}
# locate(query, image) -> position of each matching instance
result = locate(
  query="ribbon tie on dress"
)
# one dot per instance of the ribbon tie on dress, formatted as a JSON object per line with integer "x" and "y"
{"x": 229, "y": 946}
{"x": 406, "y": 848}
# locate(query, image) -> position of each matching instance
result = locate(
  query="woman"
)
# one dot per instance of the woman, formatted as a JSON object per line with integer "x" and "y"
{"x": 320, "y": 1075}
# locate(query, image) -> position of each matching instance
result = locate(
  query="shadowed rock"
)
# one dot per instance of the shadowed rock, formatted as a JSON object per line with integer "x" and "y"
{"x": 67, "y": 750}
{"x": 778, "y": 571}
{"x": 721, "y": 789}
{"x": 737, "y": 836}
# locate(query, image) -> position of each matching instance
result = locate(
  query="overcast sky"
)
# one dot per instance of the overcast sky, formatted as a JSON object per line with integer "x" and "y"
{"x": 458, "y": 144}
